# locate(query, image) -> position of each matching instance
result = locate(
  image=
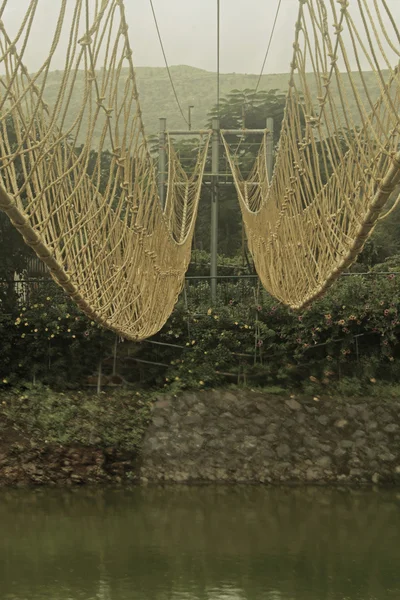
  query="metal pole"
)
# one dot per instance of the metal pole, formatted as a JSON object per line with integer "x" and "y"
{"x": 162, "y": 160}
{"x": 190, "y": 132}
{"x": 270, "y": 147}
{"x": 243, "y": 131}
{"x": 214, "y": 208}
{"x": 190, "y": 117}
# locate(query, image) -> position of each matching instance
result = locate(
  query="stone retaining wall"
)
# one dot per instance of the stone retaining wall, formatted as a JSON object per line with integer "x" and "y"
{"x": 249, "y": 437}
{"x": 24, "y": 465}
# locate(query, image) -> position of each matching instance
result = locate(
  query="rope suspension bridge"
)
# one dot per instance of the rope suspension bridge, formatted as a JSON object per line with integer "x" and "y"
{"x": 119, "y": 249}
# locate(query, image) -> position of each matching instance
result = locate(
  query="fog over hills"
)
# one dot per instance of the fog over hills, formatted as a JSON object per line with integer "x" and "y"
{"x": 194, "y": 87}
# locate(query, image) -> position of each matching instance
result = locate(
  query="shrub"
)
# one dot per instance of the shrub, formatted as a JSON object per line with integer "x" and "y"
{"x": 247, "y": 337}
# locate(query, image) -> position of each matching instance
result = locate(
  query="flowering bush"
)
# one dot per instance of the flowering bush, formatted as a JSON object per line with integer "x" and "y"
{"x": 52, "y": 340}
{"x": 246, "y": 337}
{"x": 352, "y": 331}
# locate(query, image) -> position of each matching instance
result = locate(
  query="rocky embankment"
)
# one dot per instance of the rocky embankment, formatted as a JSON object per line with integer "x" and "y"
{"x": 54, "y": 464}
{"x": 226, "y": 436}
{"x": 250, "y": 437}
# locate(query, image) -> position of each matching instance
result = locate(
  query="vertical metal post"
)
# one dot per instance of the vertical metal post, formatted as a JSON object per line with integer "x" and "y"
{"x": 270, "y": 147}
{"x": 190, "y": 117}
{"x": 214, "y": 207}
{"x": 162, "y": 160}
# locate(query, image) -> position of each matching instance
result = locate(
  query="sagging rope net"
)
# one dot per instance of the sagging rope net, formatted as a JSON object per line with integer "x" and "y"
{"x": 338, "y": 159}
{"x": 77, "y": 179}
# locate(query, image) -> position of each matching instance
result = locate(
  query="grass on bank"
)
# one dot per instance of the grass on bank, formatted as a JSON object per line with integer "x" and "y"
{"x": 119, "y": 418}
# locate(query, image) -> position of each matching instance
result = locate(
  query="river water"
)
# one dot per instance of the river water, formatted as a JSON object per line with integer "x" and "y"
{"x": 199, "y": 543}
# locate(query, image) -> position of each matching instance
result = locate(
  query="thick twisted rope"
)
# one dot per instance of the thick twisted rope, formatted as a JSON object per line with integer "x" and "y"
{"x": 77, "y": 180}
{"x": 338, "y": 159}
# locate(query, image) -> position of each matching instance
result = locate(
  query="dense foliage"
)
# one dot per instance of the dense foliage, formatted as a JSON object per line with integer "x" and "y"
{"x": 246, "y": 338}
{"x": 116, "y": 419}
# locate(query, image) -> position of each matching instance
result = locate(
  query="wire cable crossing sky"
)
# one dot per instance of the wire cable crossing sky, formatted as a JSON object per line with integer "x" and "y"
{"x": 166, "y": 63}
{"x": 189, "y": 32}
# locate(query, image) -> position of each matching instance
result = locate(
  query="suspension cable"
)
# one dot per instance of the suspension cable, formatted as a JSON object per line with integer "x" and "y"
{"x": 166, "y": 64}
{"x": 269, "y": 44}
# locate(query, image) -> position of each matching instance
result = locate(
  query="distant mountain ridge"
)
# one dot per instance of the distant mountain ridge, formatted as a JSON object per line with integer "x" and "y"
{"x": 194, "y": 87}
{"x": 199, "y": 88}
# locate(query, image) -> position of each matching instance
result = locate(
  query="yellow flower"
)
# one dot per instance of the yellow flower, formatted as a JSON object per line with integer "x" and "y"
{"x": 22, "y": 335}
{"x": 216, "y": 317}
{"x": 176, "y": 378}
{"x": 46, "y": 329}
{"x": 209, "y": 311}
{"x": 68, "y": 330}
{"x": 5, "y": 380}
{"x": 246, "y": 326}
{"x": 201, "y": 382}
{"x": 74, "y": 336}
{"x": 236, "y": 323}
{"x": 48, "y": 298}
{"x": 193, "y": 342}
{"x": 35, "y": 330}
{"x": 52, "y": 335}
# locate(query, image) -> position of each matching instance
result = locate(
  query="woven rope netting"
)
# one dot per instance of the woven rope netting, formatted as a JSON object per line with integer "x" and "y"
{"x": 338, "y": 159}
{"x": 77, "y": 179}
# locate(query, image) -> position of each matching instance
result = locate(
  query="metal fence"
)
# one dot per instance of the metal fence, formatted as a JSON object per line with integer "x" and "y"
{"x": 23, "y": 292}
{"x": 197, "y": 288}
{"x": 230, "y": 288}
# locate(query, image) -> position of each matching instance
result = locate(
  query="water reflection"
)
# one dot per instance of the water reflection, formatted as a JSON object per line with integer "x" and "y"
{"x": 199, "y": 543}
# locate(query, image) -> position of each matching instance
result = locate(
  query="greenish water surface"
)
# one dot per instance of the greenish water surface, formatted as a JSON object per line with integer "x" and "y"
{"x": 199, "y": 543}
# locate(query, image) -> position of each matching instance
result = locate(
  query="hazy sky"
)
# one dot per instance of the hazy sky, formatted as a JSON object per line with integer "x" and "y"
{"x": 188, "y": 28}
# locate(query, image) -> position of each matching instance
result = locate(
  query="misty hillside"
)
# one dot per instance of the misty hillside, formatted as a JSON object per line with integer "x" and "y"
{"x": 194, "y": 87}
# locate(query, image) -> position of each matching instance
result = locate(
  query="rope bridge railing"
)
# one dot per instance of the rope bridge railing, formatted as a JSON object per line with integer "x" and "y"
{"x": 109, "y": 243}
{"x": 99, "y": 226}
{"x": 338, "y": 159}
